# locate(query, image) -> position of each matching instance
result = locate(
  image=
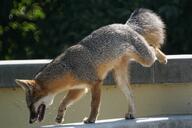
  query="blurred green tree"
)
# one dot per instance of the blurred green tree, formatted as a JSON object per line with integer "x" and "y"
{"x": 32, "y": 29}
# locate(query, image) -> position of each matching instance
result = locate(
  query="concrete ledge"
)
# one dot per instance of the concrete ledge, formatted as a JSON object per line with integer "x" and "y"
{"x": 184, "y": 121}
{"x": 177, "y": 70}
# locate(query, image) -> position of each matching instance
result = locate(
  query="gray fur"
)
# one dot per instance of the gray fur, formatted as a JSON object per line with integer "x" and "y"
{"x": 103, "y": 45}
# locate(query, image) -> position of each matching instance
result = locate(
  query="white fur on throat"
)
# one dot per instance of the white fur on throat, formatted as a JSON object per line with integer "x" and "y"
{"x": 47, "y": 100}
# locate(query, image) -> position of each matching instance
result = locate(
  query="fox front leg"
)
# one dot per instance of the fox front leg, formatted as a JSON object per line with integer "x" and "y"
{"x": 70, "y": 98}
{"x": 95, "y": 102}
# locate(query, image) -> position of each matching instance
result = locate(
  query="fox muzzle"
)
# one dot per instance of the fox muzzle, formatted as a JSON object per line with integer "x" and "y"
{"x": 33, "y": 114}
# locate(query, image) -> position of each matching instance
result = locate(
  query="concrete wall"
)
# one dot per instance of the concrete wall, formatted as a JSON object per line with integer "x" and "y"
{"x": 151, "y": 100}
{"x": 159, "y": 90}
{"x": 177, "y": 70}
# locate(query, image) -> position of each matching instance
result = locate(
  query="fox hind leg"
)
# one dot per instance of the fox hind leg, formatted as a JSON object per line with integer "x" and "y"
{"x": 120, "y": 73}
{"x": 146, "y": 61}
{"x": 70, "y": 98}
{"x": 161, "y": 56}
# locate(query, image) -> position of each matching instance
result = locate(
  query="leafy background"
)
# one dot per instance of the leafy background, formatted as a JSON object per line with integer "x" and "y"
{"x": 37, "y": 29}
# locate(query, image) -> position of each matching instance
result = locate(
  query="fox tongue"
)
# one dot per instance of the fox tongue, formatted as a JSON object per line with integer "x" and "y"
{"x": 41, "y": 112}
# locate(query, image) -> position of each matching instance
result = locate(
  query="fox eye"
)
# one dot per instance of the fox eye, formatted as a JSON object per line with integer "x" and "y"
{"x": 29, "y": 104}
{"x": 29, "y": 101}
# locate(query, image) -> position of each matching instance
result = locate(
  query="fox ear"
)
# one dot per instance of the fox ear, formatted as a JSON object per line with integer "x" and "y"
{"x": 24, "y": 85}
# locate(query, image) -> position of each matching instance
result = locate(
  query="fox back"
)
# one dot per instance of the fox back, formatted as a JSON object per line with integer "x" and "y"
{"x": 101, "y": 46}
{"x": 106, "y": 44}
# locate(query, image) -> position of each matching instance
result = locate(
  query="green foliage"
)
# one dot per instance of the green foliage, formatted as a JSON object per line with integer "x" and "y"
{"x": 44, "y": 28}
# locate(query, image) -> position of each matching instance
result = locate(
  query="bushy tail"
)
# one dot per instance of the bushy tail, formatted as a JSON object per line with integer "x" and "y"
{"x": 149, "y": 25}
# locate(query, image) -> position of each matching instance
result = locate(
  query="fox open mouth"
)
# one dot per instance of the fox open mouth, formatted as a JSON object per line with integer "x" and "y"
{"x": 41, "y": 112}
{"x": 39, "y": 115}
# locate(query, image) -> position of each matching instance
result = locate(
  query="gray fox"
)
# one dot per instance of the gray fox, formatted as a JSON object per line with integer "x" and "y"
{"x": 85, "y": 65}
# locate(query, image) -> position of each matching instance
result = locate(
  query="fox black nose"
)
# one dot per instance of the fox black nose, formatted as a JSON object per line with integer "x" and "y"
{"x": 32, "y": 120}
{"x": 33, "y": 117}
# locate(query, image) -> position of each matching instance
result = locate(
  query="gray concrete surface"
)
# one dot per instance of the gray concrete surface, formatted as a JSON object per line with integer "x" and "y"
{"x": 177, "y": 70}
{"x": 182, "y": 121}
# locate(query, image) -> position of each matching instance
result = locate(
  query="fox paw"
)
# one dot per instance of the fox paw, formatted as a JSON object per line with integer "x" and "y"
{"x": 59, "y": 119}
{"x": 88, "y": 121}
{"x": 129, "y": 116}
{"x": 163, "y": 60}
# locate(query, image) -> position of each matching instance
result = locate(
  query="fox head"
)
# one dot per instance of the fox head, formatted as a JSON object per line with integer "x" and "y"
{"x": 37, "y": 99}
